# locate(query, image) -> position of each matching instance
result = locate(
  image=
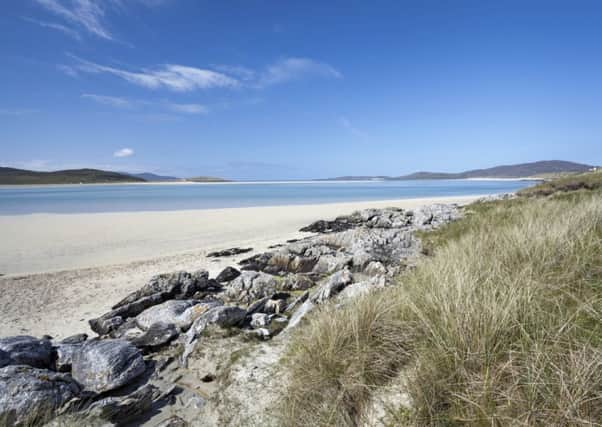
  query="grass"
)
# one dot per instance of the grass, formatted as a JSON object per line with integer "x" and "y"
{"x": 501, "y": 325}
{"x": 573, "y": 182}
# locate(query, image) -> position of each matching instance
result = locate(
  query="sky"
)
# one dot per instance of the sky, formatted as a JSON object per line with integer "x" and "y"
{"x": 293, "y": 90}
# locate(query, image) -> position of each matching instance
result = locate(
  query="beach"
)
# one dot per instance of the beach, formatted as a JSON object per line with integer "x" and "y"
{"x": 60, "y": 270}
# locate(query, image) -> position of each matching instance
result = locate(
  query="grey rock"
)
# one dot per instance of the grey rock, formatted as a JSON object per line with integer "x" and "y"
{"x": 228, "y": 252}
{"x": 257, "y": 306}
{"x": 330, "y": 263}
{"x": 297, "y": 302}
{"x": 259, "y": 320}
{"x": 26, "y": 350}
{"x": 223, "y": 316}
{"x": 4, "y": 359}
{"x": 173, "y": 312}
{"x": 178, "y": 285}
{"x": 227, "y": 274}
{"x": 300, "y": 313}
{"x": 356, "y": 290}
{"x": 275, "y": 306}
{"x": 173, "y": 421}
{"x": 30, "y": 395}
{"x": 75, "y": 339}
{"x": 124, "y": 409}
{"x": 297, "y": 282}
{"x": 157, "y": 335}
{"x": 251, "y": 286}
{"x": 332, "y": 286}
{"x": 107, "y": 364}
{"x": 64, "y": 356}
{"x": 375, "y": 267}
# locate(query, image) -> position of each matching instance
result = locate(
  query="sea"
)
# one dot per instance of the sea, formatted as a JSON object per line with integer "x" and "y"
{"x": 86, "y": 198}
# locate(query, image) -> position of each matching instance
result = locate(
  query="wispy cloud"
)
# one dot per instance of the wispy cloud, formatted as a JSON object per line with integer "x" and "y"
{"x": 188, "y": 108}
{"x": 177, "y": 78}
{"x": 53, "y": 25}
{"x": 86, "y": 14}
{"x": 289, "y": 69}
{"x": 345, "y": 123}
{"x": 113, "y": 101}
{"x": 124, "y": 152}
{"x": 127, "y": 103}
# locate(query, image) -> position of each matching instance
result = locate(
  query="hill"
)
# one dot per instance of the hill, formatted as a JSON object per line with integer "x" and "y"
{"x": 207, "y": 179}
{"x": 151, "y": 177}
{"x": 12, "y": 176}
{"x": 522, "y": 170}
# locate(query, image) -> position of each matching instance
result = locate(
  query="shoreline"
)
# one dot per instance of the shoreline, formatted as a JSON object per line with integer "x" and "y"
{"x": 233, "y": 182}
{"x": 95, "y": 265}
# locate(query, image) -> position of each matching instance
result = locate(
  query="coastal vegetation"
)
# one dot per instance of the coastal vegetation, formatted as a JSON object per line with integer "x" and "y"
{"x": 12, "y": 176}
{"x": 500, "y": 323}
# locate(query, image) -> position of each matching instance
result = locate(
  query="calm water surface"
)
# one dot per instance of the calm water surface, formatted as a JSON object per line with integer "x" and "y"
{"x": 153, "y": 197}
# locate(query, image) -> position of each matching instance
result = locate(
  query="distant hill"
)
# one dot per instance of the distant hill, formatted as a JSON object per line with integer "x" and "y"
{"x": 206, "y": 179}
{"x": 522, "y": 170}
{"x": 12, "y": 176}
{"x": 151, "y": 177}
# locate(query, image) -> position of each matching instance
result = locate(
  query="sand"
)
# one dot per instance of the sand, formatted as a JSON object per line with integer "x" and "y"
{"x": 62, "y": 269}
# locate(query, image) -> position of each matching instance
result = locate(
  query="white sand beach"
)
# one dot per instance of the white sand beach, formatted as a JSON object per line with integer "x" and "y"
{"x": 62, "y": 269}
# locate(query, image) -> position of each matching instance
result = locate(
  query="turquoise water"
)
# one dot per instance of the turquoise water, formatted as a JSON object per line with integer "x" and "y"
{"x": 153, "y": 197}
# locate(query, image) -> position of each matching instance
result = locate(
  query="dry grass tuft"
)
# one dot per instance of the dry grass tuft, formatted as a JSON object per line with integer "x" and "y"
{"x": 501, "y": 326}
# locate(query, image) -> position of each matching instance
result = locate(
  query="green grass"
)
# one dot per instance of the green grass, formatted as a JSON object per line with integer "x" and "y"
{"x": 500, "y": 325}
{"x": 573, "y": 182}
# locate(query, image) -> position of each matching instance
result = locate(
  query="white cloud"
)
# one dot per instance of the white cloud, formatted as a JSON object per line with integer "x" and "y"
{"x": 296, "y": 68}
{"x": 53, "y": 25}
{"x": 87, "y": 14}
{"x": 178, "y": 78}
{"x": 113, "y": 101}
{"x": 124, "y": 152}
{"x": 188, "y": 108}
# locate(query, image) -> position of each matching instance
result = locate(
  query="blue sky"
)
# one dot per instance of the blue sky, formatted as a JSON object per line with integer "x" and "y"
{"x": 280, "y": 89}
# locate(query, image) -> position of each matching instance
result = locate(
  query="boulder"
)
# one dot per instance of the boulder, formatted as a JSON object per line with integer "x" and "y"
{"x": 297, "y": 302}
{"x": 157, "y": 335}
{"x": 333, "y": 285}
{"x": 251, "y": 286}
{"x": 26, "y": 350}
{"x": 63, "y": 356}
{"x": 122, "y": 410}
{"x": 173, "y": 312}
{"x": 75, "y": 339}
{"x": 105, "y": 365}
{"x": 4, "y": 359}
{"x": 228, "y": 252}
{"x": 178, "y": 285}
{"x": 30, "y": 395}
{"x": 259, "y": 320}
{"x": 227, "y": 275}
{"x": 297, "y": 282}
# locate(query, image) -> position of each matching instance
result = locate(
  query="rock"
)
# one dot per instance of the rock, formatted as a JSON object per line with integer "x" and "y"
{"x": 257, "y": 306}
{"x": 335, "y": 284}
{"x": 259, "y": 320}
{"x": 275, "y": 306}
{"x": 178, "y": 285}
{"x": 227, "y": 275}
{"x": 251, "y": 286}
{"x": 321, "y": 226}
{"x": 256, "y": 262}
{"x": 361, "y": 288}
{"x": 107, "y": 364}
{"x": 300, "y": 300}
{"x": 434, "y": 215}
{"x": 173, "y": 421}
{"x": 374, "y": 268}
{"x": 300, "y": 313}
{"x": 4, "y": 359}
{"x": 110, "y": 321}
{"x": 229, "y": 252}
{"x": 26, "y": 350}
{"x": 30, "y": 395}
{"x": 124, "y": 409}
{"x": 64, "y": 356}
{"x": 223, "y": 316}
{"x": 157, "y": 335}
{"x": 328, "y": 264}
{"x": 297, "y": 282}
{"x": 75, "y": 339}
{"x": 173, "y": 312}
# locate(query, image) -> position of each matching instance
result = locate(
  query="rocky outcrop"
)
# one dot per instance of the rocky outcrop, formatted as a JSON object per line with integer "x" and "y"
{"x": 31, "y": 395}
{"x": 25, "y": 350}
{"x": 109, "y": 379}
{"x": 229, "y": 252}
{"x": 105, "y": 365}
